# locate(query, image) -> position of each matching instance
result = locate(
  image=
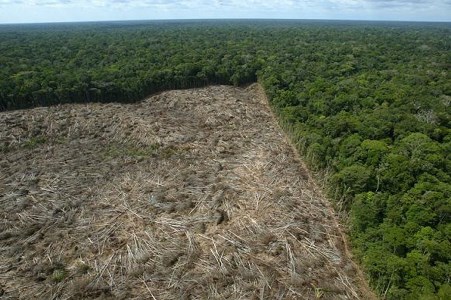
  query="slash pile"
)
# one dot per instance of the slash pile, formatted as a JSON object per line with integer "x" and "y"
{"x": 190, "y": 194}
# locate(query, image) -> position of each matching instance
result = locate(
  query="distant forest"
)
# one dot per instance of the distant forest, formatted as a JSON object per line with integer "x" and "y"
{"x": 368, "y": 103}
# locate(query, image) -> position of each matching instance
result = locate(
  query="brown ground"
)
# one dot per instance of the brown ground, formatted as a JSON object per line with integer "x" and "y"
{"x": 192, "y": 194}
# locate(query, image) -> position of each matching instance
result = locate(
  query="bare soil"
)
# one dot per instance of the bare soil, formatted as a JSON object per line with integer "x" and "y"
{"x": 190, "y": 194}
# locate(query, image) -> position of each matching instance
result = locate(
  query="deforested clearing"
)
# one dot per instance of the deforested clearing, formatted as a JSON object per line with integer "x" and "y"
{"x": 189, "y": 194}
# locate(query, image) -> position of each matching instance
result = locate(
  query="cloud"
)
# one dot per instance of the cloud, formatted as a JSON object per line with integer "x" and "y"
{"x": 400, "y": 3}
{"x": 74, "y": 10}
{"x": 5, "y": 2}
{"x": 227, "y": 3}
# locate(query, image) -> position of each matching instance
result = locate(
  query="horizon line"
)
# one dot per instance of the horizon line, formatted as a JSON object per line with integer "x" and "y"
{"x": 218, "y": 19}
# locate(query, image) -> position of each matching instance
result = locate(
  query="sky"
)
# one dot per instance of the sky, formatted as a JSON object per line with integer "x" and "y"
{"x": 34, "y": 11}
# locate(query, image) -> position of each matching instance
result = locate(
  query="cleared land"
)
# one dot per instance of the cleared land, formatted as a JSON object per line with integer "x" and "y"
{"x": 192, "y": 194}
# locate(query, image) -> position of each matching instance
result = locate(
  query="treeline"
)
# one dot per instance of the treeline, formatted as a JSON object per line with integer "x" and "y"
{"x": 372, "y": 106}
{"x": 46, "y": 64}
{"x": 369, "y": 102}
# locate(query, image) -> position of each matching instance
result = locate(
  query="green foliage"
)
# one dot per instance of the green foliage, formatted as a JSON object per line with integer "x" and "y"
{"x": 368, "y": 101}
{"x": 35, "y": 142}
{"x": 368, "y": 211}
{"x": 353, "y": 180}
{"x": 372, "y": 152}
{"x": 59, "y": 275}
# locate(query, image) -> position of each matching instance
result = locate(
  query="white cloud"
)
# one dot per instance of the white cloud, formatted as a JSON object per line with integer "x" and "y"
{"x": 82, "y": 10}
{"x": 225, "y": 3}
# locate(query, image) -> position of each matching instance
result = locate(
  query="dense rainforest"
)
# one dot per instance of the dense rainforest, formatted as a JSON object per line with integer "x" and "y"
{"x": 367, "y": 103}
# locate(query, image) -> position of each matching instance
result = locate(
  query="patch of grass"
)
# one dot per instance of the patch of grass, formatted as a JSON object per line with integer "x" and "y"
{"x": 168, "y": 151}
{"x": 132, "y": 151}
{"x": 59, "y": 275}
{"x": 34, "y": 142}
{"x": 61, "y": 140}
{"x": 83, "y": 268}
{"x": 4, "y": 148}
